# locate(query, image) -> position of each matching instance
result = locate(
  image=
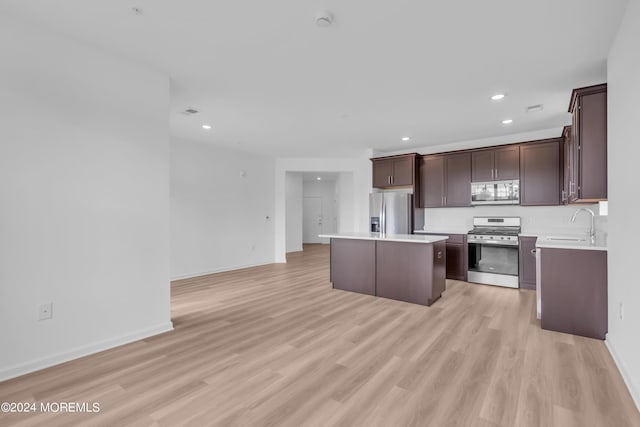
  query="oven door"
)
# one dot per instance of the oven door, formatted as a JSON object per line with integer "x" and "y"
{"x": 493, "y": 263}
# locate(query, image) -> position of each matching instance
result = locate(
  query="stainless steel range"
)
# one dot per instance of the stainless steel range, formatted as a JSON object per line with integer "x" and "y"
{"x": 493, "y": 251}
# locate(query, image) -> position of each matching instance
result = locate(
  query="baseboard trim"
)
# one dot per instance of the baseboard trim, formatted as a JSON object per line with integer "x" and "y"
{"x": 624, "y": 372}
{"x": 86, "y": 350}
{"x": 219, "y": 270}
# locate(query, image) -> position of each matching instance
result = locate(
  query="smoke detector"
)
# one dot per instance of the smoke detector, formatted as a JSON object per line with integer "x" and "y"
{"x": 324, "y": 19}
{"x": 190, "y": 112}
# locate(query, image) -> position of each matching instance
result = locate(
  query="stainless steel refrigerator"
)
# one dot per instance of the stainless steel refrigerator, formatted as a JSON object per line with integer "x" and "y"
{"x": 391, "y": 212}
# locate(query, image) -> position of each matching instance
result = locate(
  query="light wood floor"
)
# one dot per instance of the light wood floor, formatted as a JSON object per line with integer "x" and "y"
{"x": 275, "y": 345}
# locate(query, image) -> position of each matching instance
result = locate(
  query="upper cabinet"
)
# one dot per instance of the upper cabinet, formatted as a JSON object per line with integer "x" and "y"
{"x": 397, "y": 171}
{"x": 495, "y": 164}
{"x": 445, "y": 180}
{"x": 588, "y": 139}
{"x": 540, "y": 173}
{"x": 567, "y": 167}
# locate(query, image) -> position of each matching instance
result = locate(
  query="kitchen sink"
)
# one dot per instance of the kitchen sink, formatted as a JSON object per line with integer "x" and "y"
{"x": 565, "y": 239}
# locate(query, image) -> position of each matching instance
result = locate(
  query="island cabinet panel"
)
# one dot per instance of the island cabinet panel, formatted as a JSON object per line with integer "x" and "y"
{"x": 573, "y": 286}
{"x": 353, "y": 265}
{"x": 540, "y": 173}
{"x": 405, "y": 272}
{"x": 527, "y": 261}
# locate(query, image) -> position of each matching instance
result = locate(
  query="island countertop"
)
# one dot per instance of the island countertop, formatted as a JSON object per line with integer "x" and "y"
{"x": 407, "y": 238}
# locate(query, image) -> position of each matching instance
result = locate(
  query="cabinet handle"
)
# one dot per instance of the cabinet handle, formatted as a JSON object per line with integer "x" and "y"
{"x": 445, "y": 200}
{"x": 496, "y": 173}
{"x": 389, "y": 180}
{"x": 533, "y": 252}
{"x": 439, "y": 255}
{"x": 392, "y": 179}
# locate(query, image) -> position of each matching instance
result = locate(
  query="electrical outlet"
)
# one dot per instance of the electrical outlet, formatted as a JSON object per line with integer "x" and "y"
{"x": 621, "y": 311}
{"x": 45, "y": 311}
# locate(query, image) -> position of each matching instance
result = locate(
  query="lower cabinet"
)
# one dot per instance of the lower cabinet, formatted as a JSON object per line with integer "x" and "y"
{"x": 353, "y": 265}
{"x": 457, "y": 254}
{"x": 527, "y": 263}
{"x": 573, "y": 285}
{"x": 402, "y": 273}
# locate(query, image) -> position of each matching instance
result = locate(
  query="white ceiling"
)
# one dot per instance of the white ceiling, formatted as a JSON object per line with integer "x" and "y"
{"x": 268, "y": 80}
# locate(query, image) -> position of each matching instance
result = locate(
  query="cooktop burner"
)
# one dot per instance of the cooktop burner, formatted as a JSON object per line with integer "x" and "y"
{"x": 497, "y": 231}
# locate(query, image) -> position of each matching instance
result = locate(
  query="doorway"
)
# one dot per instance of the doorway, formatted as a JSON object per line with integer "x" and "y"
{"x": 311, "y": 219}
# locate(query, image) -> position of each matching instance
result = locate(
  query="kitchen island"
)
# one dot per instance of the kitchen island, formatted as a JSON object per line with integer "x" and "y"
{"x": 405, "y": 267}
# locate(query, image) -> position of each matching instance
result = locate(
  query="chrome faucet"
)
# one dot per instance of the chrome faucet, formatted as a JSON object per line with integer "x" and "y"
{"x": 592, "y": 230}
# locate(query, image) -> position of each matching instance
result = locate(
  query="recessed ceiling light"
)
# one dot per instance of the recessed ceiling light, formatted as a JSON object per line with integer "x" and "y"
{"x": 319, "y": 178}
{"x": 507, "y": 121}
{"x": 406, "y": 138}
{"x": 498, "y": 96}
{"x": 207, "y": 127}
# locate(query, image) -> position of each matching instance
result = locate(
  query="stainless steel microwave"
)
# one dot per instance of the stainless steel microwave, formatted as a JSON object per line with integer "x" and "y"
{"x": 495, "y": 192}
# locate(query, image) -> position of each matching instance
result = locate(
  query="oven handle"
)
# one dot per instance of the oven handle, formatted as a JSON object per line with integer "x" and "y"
{"x": 495, "y": 243}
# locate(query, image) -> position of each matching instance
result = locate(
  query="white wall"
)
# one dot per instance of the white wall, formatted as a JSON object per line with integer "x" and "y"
{"x": 360, "y": 170}
{"x": 293, "y": 189}
{"x": 623, "y": 338}
{"x": 326, "y": 191}
{"x": 84, "y": 190}
{"x": 344, "y": 198}
{"x": 546, "y": 219}
{"x": 220, "y": 201}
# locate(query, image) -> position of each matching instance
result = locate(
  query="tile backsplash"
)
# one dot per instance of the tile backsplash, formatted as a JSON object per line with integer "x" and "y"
{"x": 546, "y": 219}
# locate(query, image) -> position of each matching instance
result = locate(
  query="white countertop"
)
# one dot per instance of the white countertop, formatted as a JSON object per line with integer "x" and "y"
{"x": 443, "y": 230}
{"x": 575, "y": 241}
{"x": 408, "y": 238}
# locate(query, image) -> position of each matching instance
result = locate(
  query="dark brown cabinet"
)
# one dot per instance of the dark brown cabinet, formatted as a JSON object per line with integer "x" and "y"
{"x": 588, "y": 161}
{"x": 404, "y": 271}
{"x": 398, "y": 171}
{"x": 353, "y": 265}
{"x": 567, "y": 164}
{"x": 527, "y": 263}
{"x": 495, "y": 164}
{"x": 445, "y": 180}
{"x": 540, "y": 178}
{"x": 456, "y": 247}
{"x": 573, "y": 287}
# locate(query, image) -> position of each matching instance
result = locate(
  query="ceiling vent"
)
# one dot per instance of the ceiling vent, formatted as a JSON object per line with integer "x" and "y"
{"x": 534, "y": 108}
{"x": 190, "y": 112}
